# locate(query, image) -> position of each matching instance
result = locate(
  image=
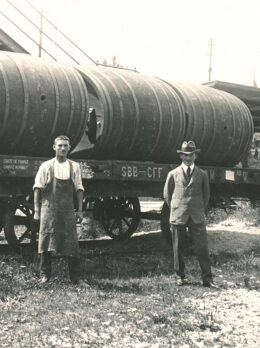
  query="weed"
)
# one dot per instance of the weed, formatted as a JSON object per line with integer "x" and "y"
{"x": 132, "y": 301}
{"x": 161, "y": 319}
{"x": 207, "y": 319}
{"x": 249, "y": 261}
{"x": 244, "y": 213}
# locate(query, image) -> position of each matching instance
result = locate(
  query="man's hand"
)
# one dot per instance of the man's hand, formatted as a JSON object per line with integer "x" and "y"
{"x": 36, "y": 215}
{"x": 36, "y": 221}
{"x": 79, "y": 217}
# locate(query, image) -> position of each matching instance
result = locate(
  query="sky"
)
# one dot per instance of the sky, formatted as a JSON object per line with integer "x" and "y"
{"x": 163, "y": 38}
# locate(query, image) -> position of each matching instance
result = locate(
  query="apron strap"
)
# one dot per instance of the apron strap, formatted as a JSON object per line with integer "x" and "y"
{"x": 52, "y": 170}
{"x": 52, "y": 181}
{"x": 71, "y": 170}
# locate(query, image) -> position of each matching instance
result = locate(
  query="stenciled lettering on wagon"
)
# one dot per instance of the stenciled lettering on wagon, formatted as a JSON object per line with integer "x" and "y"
{"x": 14, "y": 164}
{"x": 135, "y": 172}
{"x": 154, "y": 172}
{"x": 129, "y": 171}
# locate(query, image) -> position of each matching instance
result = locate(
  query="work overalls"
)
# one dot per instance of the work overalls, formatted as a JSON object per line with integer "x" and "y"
{"x": 58, "y": 232}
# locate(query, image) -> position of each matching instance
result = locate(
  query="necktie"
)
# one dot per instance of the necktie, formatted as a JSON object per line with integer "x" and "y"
{"x": 188, "y": 173}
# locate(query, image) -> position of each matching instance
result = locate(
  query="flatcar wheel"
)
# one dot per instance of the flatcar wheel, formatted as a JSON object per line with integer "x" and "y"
{"x": 165, "y": 223}
{"x": 17, "y": 223}
{"x": 120, "y": 217}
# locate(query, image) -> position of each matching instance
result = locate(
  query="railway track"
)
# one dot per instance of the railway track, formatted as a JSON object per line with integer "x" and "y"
{"x": 27, "y": 247}
{"x": 135, "y": 245}
{"x": 150, "y": 209}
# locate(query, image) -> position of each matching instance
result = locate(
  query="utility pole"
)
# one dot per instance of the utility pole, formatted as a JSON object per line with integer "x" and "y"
{"x": 210, "y": 58}
{"x": 254, "y": 81}
{"x": 40, "y": 30}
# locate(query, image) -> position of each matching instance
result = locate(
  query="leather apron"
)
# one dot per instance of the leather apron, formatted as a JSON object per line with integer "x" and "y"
{"x": 58, "y": 232}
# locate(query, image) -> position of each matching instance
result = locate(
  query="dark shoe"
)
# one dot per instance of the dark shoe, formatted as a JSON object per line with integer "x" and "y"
{"x": 75, "y": 281}
{"x": 210, "y": 284}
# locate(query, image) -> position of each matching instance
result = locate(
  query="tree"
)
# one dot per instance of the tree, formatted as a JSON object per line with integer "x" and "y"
{"x": 114, "y": 61}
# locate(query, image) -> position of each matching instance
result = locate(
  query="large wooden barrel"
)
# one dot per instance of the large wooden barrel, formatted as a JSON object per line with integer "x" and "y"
{"x": 138, "y": 117}
{"x": 248, "y": 94}
{"x": 147, "y": 118}
{"x": 220, "y": 124}
{"x": 38, "y": 101}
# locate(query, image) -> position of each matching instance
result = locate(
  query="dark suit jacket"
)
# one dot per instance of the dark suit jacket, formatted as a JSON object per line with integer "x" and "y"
{"x": 187, "y": 199}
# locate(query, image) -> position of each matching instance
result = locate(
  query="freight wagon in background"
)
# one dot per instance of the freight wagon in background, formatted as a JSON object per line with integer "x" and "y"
{"x": 125, "y": 129}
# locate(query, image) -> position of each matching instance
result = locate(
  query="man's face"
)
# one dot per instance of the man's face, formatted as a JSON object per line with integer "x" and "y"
{"x": 189, "y": 159}
{"x": 61, "y": 147}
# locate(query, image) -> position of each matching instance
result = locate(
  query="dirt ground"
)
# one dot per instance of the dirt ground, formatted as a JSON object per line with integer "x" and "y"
{"x": 131, "y": 298}
{"x": 233, "y": 237}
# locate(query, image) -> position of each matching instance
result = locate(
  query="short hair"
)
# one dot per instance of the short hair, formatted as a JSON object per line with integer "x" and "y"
{"x": 61, "y": 137}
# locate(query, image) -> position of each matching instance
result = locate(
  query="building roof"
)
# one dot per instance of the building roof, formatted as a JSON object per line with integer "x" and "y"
{"x": 9, "y": 44}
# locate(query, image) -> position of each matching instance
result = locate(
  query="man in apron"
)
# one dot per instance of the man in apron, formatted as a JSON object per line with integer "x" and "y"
{"x": 56, "y": 183}
{"x": 186, "y": 192}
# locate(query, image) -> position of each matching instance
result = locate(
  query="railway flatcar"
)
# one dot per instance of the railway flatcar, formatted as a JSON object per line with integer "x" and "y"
{"x": 125, "y": 129}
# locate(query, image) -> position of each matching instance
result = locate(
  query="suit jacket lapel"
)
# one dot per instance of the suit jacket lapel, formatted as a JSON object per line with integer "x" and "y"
{"x": 194, "y": 175}
{"x": 183, "y": 176}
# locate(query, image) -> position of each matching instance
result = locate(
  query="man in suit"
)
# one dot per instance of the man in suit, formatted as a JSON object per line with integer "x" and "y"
{"x": 186, "y": 192}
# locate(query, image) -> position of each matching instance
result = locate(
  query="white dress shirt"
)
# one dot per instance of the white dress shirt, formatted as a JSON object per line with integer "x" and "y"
{"x": 185, "y": 168}
{"x": 61, "y": 171}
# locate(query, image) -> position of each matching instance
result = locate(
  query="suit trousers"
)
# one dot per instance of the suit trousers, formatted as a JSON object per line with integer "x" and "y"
{"x": 45, "y": 266}
{"x": 199, "y": 238}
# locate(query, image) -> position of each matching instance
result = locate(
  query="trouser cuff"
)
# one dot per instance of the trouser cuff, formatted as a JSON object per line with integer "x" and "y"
{"x": 74, "y": 268}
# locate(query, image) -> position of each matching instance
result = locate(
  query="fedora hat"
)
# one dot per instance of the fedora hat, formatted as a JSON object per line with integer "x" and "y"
{"x": 188, "y": 147}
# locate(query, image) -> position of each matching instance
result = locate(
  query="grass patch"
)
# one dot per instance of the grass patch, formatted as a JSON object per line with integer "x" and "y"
{"x": 132, "y": 300}
{"x": 244, "y": 214}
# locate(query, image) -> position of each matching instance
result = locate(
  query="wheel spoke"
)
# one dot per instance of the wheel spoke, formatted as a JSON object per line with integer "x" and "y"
{"x": 120, "y": 227}
{"x": 120, "y": 217}
{"x": 17, "y": 223}
{"x": 21, "y": 220}
{"x": 24, "y": 210}
{"x": 112, "y": 227}
{"x": 126, "y": 221}
{"x": 24, "y": 235}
